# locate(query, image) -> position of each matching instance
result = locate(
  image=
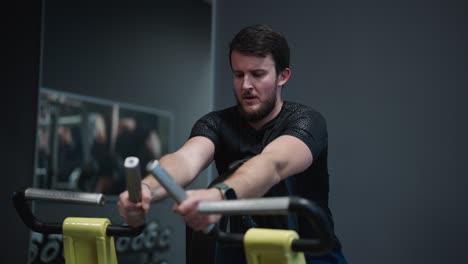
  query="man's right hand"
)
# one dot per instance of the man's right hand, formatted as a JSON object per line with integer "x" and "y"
{"x": 134, "y": 214}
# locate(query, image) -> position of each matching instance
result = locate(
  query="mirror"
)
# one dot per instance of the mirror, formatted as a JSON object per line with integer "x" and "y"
{"x": 83, "y": 141}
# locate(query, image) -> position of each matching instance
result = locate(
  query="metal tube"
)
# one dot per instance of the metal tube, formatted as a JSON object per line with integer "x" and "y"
{"x": 261, "y": 206}
{"x": 65, "y": 196}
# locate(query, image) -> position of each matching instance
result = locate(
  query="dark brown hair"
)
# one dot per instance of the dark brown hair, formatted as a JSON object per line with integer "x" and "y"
{"x": 261, "y": 40}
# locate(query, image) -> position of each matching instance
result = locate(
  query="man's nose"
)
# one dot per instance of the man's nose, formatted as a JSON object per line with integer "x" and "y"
{"x": 246, "y": 82}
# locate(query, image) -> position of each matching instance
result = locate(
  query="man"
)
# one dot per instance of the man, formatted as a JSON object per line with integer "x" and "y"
{"x": 263, "y": 146}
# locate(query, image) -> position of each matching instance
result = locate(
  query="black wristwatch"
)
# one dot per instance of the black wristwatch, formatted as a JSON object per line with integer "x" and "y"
{"x": 227, "y": 192}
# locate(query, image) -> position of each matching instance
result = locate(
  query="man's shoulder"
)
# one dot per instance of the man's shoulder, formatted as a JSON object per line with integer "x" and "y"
{"x": 300, "y": 109}
{"x": 211, "y": 123}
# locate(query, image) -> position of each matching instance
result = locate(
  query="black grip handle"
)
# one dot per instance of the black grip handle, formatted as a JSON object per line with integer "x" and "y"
{"x": 20, "y": 201}
{"x": 317, "y": 218}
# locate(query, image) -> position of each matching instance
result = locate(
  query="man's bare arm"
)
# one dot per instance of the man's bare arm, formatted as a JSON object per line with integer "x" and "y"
{"x": 283, "y": 157}
{"x": 183, "y": 165}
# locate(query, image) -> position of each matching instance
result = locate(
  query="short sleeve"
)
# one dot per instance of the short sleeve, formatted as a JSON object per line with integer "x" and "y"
{"x": 207, "y": 126}
{"x": 311, "y": 128}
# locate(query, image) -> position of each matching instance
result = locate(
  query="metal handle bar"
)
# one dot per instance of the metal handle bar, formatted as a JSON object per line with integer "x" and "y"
{"x": 274, "y": 206}
{"x": 21, "y": 198}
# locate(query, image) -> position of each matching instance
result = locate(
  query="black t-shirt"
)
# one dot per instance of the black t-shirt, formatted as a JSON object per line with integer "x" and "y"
{"x": 235, "y": 139}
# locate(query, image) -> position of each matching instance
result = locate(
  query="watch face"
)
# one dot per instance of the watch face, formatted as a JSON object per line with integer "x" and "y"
{"x": 230, "y": 194}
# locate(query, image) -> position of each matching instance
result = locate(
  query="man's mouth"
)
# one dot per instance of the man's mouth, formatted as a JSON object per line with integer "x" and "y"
{"x": 249, "y": 98}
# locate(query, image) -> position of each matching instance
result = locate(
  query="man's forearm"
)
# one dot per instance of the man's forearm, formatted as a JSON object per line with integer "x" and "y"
{"x": 255, "y": 177}
{"x": 283, "y": 157}
{"x": 177, "y": 168}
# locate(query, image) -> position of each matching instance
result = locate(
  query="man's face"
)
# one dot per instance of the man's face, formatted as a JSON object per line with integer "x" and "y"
{"x": 256, "y": 85}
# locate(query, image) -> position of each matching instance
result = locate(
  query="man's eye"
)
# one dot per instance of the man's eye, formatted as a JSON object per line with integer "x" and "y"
{"x": 258, "y": 74}
{"x": 238, "y": 75}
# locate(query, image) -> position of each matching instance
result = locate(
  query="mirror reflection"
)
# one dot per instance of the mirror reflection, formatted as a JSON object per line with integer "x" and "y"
{"x": 83, "y": 141}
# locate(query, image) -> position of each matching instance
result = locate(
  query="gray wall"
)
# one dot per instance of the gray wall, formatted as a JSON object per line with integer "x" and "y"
{"x": 390, "y": 78}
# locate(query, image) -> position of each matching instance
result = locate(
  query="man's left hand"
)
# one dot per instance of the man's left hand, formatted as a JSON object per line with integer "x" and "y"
{"x": 188, "y": 209}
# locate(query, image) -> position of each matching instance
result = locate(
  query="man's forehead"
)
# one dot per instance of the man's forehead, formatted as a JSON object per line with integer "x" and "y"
{"x": 250, "y": 54}
{"x": 241, "y": 60}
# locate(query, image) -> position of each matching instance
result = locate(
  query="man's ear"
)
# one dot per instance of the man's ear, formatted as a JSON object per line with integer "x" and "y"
{"x": 283, "y": 77}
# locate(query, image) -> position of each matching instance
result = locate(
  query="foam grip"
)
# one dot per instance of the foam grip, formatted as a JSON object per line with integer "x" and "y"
{"x": 133, "y": 177}
{"x": 175, "y": 191}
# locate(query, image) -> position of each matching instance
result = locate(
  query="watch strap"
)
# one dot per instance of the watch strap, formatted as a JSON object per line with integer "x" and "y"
{"x": 226, "y": 190}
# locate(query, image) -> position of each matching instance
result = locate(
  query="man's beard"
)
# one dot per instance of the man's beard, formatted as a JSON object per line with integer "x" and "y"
{"x": 263, "y": 111}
